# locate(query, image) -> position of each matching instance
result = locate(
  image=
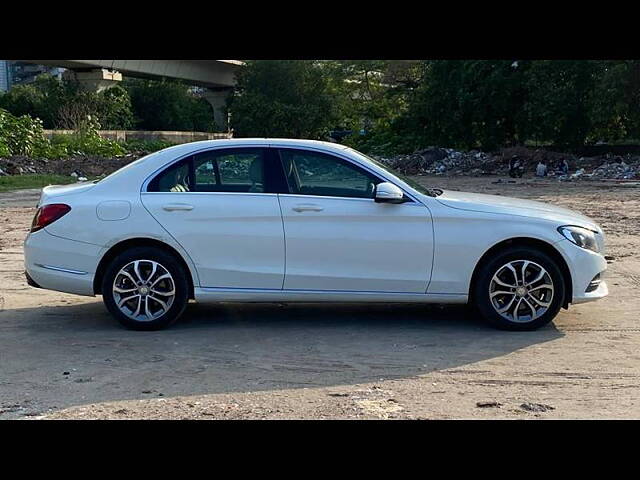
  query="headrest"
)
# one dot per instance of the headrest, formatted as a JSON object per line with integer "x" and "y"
{"x": 255, "y": 171}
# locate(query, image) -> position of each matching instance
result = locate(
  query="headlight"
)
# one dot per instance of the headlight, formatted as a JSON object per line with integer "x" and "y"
{"x": 580, "y": 236}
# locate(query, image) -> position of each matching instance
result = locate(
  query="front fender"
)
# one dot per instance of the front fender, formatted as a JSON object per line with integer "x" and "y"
{"x": 461, "y": 238}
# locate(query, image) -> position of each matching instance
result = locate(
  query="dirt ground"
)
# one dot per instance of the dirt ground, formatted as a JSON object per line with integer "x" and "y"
{"x": 63, "y": 356}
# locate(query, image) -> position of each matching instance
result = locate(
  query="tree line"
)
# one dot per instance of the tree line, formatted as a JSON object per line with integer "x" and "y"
{"x": 379, "y": 106}
{"x": 400, "y": 106}
{"x": 133, "y": 104}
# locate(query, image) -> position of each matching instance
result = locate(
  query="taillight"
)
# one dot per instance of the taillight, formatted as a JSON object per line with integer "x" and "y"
{"x": 48, "y": 214}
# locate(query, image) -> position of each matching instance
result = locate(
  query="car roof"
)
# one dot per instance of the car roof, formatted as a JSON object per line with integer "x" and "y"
{"x": 260, "y": 141}
{"x": 269, "y": 140}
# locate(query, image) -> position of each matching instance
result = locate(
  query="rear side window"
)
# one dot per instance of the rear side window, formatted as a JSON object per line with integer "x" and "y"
{"x": 314, "y": 173}
{"x": 231, "y": 170}
{"x": 176, "y": 178}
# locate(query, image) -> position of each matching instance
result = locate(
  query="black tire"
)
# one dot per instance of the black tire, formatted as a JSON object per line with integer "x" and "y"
{"x": 164, "y": 259}
{"x": 481, "y": 288}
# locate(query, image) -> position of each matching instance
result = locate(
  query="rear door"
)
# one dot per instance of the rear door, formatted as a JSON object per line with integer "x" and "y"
{"x": 220, "y": 206}
{"x": 339, "y": 239}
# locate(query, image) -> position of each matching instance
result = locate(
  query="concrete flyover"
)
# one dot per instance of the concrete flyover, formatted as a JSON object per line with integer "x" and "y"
{"x": 217, "y": 76}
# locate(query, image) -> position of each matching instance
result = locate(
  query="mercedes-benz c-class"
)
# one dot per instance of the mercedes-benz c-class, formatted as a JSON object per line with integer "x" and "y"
{"x": 274, "y": 220}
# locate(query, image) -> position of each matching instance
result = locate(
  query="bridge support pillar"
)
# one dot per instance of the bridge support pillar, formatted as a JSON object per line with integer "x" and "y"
{"x": 217, "y": 97}
{"x": 96, "y": 80}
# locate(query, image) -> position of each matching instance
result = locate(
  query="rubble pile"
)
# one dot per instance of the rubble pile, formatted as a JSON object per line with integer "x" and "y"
{"x": 77, "y": 166}
{"x": 447, "y": 161}
{"x": 617, "y": 170}
{"x": 429, "y": 161}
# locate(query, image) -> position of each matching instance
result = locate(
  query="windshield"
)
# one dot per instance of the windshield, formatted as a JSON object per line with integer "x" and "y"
{"x": 408, "y": 180}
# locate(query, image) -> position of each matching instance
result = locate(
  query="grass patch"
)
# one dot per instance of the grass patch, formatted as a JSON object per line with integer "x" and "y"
{"x": 18, "y": 182}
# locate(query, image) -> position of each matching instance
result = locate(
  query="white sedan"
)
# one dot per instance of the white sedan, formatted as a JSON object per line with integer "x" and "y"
{"x": 273, "y": 220}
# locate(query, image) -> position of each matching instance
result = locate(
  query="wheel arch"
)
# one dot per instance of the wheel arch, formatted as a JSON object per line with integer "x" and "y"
{"x": 124, "y": 245}
{"x": 536, "y": 243}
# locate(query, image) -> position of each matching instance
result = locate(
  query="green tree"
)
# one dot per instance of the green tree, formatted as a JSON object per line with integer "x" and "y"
{"x": 370, "y": 94}
{"x": 114, "y": 108}
{"x": 110, "y": 108}
{"x": 614, "y": 106}
{"x": 64, "y": 104}
{"x": 41, "y": 99}
{"x": 283, "y": 98}
{"x": 467, "y": 104}
{"x": 494, "y": 98}
{"x": 557, "y": 104}
{"x": 492, "y": 103}
{"x": 168, "y": 105}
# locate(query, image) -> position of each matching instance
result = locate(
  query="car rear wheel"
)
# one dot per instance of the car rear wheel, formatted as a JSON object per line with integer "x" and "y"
{"x": 145, "y": 288}
{"x": 519, "y": 289}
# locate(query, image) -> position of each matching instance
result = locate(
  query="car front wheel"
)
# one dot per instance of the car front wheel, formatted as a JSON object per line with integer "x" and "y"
{"x": 519, "y": 289}
{"x": 145, "y": 288}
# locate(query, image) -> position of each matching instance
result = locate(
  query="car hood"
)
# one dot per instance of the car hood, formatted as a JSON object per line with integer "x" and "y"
{"x": 480, "y": 202}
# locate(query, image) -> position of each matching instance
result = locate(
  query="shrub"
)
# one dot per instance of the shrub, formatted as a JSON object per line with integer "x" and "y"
{"x": 21, "y": 135}
{"x": 146, "y": 146}
{"x": 86, "y": 141}
{"x": 384, "y": 142}
{"x": 24, "y": 136}
{"x": 61, "y": 104}
{"x": 4, "y": 149}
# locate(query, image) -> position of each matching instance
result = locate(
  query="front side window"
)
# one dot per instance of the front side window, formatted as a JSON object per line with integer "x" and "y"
{"x": 232, "y": 170}
{"x": 314, "y": 173}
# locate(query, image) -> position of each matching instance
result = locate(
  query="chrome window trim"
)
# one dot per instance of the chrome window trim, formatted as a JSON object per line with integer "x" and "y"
{"x": 360, "y": 199}
{"x": 151, "y": 176}
{"x": 211, "y": 193}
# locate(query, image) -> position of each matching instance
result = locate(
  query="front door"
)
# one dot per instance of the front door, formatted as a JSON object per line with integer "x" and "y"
{"x": 217, "y": 205}
{"x": 339, "y": 239}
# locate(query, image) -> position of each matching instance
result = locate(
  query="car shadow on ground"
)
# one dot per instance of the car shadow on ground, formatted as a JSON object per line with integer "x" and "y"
{"x": 69, "y": 355}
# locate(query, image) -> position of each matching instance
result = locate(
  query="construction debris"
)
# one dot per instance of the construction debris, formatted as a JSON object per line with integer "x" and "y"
{"x": 76, "y": 166}
{"x": 441, "y": 161}
{"x": 618, "y": 170}
{"x": 430, "y": 161}
{"x": 446, "y": 161}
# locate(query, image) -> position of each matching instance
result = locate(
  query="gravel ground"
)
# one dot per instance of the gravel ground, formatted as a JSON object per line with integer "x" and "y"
{"x": 62, "y": 356}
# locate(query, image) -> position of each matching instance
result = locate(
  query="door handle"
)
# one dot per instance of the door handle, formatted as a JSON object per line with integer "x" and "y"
{"x": 177, "y": 206}
{"x": 308, "y": 207}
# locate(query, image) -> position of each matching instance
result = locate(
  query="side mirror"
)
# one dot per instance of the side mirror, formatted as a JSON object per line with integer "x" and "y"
{"x": 388, "y": 193}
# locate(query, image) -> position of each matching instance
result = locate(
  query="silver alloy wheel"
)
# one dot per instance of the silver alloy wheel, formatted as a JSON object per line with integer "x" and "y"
{"x": 521, "y": 291}
{"x": 144, "y": 290}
